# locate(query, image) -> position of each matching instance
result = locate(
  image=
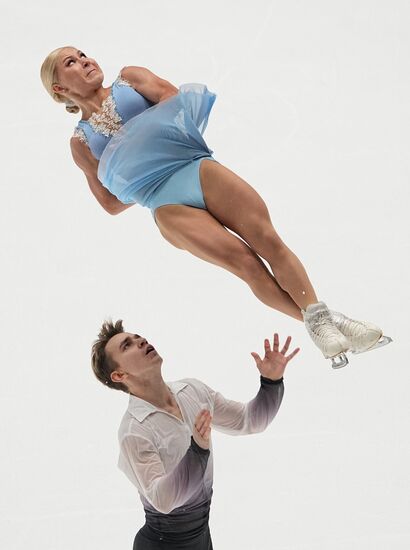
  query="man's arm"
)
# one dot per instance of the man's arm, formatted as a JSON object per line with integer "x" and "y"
{"x": 142, "y": 464}
{"x": 236, "y": 418}
{"x": 246, "y": 418}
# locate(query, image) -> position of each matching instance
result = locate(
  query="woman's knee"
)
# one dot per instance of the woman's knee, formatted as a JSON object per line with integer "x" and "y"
{"x": 267, "y": 243}
{"x": 246, "y": 265}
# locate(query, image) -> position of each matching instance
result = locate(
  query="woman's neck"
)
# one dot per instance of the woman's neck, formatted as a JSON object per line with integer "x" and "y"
{"x": 93, "y": 104}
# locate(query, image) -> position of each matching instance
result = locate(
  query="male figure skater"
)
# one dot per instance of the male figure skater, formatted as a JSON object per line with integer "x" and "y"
{"x": 164, "y": 436}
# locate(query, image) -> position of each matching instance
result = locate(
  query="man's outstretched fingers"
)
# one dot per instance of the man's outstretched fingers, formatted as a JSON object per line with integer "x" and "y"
{"x": 257, "y": 358}
{"x": 276, "y": 342}
{"x": 206, "y": 426}
{"x": 202, "y": 426}
{"x": 200, "y": 420}
{"x": 292, "y": 355}
{"x": 286, "y": 346}
{"x": 199, "y": 425}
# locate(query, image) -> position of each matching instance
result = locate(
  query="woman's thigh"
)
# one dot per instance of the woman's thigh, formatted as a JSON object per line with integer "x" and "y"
{"x": 201, "y": 234}
{"x": 236, "y": 204}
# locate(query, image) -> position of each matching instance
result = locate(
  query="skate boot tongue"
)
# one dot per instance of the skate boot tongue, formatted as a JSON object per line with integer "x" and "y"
{"x": 331, "y": 342}
{"x": 317, "y": 313}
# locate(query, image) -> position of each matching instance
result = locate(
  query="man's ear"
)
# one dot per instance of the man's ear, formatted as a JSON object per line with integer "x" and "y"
{"x": 117, "y": 376}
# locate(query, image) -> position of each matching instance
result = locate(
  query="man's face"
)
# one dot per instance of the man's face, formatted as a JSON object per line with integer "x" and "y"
{"x": 134, "y": 356}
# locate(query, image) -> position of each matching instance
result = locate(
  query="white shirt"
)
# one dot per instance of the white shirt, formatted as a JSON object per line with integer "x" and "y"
{"x": 158, "y": 455}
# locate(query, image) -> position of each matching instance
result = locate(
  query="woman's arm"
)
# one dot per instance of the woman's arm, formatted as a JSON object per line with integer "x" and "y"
{"x": 149, "y": 85}
{"x": 89, "y": 165}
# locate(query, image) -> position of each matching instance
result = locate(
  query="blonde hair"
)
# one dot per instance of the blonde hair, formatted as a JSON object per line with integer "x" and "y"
{"x": 48, "y": 77}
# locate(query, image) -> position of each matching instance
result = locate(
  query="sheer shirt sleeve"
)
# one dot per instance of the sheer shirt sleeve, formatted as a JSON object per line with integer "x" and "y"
{"x": 237, "y": 418}
{"x": 142, "y": 464}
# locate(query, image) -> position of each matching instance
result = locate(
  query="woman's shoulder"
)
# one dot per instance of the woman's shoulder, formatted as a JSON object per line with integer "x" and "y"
{"x": 79, "y": 133}
{"x": 135, "y": 75}
{"x": 121, "y": 79}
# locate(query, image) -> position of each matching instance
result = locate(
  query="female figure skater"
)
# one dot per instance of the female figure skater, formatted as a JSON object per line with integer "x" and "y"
{"x": 140, "y": 141}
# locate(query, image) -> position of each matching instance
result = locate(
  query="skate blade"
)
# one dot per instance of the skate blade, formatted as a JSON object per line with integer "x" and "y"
{"x": 384, "y": 340}
{"x": 339, "y": 361}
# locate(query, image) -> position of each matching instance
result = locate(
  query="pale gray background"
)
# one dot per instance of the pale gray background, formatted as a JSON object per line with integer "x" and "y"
{"x": 313, "y": 110}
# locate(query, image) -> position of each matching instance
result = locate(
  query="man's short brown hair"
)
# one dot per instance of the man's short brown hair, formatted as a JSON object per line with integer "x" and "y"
{"x": 101, "y": 362}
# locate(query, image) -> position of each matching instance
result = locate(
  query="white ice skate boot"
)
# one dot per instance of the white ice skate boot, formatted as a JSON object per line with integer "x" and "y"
{"x": 328, "y": 338}
{"x": 363, "y": 336}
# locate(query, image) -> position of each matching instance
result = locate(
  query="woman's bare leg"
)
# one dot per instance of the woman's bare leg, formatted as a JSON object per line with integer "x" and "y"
{"x": 236, "y": 205}
{"x": 198, "y": 232}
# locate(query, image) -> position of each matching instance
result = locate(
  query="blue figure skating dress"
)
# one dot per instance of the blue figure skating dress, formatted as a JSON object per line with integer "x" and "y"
{"x": 150, "y": 153}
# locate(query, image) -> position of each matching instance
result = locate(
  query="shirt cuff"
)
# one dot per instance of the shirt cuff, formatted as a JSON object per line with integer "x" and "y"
{"x": 197, "y": 448}
{"x": 268, "y": 381}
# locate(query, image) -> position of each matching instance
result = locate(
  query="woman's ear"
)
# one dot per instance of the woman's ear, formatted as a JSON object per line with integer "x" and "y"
{"x": 57, "y": 88}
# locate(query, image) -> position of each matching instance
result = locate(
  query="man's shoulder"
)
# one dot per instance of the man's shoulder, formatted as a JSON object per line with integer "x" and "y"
{"x": 127, "y": 421}
{"x": 132, "y": 424}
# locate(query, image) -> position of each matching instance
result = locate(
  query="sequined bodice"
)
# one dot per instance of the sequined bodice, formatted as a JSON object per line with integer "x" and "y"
{"x": 122, "y": 103}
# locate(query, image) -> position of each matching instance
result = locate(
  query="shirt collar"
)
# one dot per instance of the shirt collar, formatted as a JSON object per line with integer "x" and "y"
{"x": 140, "y": 409}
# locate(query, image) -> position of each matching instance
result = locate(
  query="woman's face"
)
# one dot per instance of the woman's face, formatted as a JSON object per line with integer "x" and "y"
{"x": 76, "y": 73}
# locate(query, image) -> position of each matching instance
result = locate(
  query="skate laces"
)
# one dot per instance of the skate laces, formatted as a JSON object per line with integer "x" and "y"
{"x": 355, "y": 329}
{"x": 320, "y": 322}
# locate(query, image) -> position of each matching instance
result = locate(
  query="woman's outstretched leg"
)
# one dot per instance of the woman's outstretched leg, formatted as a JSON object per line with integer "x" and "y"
{"x": 198, "y": 232}
{"x": 235, "y": 204}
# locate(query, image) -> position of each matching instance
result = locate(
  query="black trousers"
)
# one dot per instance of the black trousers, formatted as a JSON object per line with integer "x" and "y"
{"x": 182, "y": 531}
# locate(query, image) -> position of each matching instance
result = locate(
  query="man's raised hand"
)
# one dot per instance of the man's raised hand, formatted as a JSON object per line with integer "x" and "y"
{"x": 274, "y": 363}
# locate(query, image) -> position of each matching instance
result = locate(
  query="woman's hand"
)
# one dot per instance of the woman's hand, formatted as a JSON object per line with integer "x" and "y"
{"x": 274, "y": 363}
